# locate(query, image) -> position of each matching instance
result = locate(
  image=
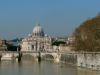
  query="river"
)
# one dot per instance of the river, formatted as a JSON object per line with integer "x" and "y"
{"x": 43, "y": 68}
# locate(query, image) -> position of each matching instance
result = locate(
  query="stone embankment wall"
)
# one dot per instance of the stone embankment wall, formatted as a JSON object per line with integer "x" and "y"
{"x": 86, "y": 60}
{"x": 70, "y": 58}
{"x": 89, "y": 60}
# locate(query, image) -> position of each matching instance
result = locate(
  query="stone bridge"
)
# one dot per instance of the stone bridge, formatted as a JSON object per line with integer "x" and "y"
{"x": 9, "y": 53}
{"x": 31, "y": 55}
{"x": 89, "y": 60}
{"x": 44, "y": 55}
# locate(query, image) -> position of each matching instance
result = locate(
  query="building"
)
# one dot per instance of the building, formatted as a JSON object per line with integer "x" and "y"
{"x": 37, "y": 41}
{"x": 3, "y": 46}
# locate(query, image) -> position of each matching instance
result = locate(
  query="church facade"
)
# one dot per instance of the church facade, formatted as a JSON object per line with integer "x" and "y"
{"x": 37, "y": 41}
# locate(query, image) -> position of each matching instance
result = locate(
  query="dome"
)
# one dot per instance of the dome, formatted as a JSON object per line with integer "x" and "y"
{"x": 38, "y": 31}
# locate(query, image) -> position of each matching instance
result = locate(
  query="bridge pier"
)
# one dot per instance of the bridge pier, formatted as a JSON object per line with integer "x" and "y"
{"x": 57, "y": 59}
{"x": 19, "y": 57}
{"x": 39, "y": 57}
{"x": 0, "y": 57}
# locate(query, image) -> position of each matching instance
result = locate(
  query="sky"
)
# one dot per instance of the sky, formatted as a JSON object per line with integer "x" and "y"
{"x": 57, "y": 17}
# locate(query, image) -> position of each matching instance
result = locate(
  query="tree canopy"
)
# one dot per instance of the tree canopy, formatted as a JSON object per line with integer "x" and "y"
{"x": 57, "y": 43}
{"x": 87, "y": 35}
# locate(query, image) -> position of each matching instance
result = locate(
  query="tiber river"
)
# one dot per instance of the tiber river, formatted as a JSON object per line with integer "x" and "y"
{"x": 43, "y": 68}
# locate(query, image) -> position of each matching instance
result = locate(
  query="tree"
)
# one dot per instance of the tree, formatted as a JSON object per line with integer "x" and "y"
{"x": 87, "y": 35}
{"x": 57, "y": 43}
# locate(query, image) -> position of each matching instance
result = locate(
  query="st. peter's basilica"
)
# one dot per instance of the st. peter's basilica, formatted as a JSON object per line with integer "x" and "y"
{"x": 37, "y": 41}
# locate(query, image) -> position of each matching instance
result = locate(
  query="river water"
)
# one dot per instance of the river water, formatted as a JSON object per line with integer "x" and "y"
{"x": 43, "y": 68}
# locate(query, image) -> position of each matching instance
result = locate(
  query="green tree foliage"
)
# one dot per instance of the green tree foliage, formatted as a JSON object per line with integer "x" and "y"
{"x": 87, "y": 35}
{"x": 57, "y": 43}
{"x": 11, "y": 47}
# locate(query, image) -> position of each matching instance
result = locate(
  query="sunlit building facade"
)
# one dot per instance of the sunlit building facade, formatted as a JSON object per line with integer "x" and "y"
{"x": 37, "y": 41}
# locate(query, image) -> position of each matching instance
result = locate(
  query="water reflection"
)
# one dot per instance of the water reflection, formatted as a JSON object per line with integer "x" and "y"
{"x": 43, "y": 68}
{"x": 83, "y": 71}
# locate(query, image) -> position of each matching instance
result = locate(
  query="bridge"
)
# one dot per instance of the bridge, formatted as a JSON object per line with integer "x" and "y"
{"x": 30, "y": 55}
{"x": 83, "y": 59}
{"x": 43, "y": 55}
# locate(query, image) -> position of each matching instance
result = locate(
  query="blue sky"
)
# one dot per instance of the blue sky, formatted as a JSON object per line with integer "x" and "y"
{"x": 57, "y": 17}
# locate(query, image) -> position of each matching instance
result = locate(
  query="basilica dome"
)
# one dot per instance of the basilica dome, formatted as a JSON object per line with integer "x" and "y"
{"x": 38, "y": 31}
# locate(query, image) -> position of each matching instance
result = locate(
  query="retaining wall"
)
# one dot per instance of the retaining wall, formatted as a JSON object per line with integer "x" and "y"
{"x": 86, "y": 60}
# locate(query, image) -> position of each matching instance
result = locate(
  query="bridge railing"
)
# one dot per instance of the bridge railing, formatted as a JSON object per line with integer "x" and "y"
{"x": 8, "y": 52}
{"x": 38, "y": 51}
{"x": 73, "y": 52}
{"x": 70, "y": 52}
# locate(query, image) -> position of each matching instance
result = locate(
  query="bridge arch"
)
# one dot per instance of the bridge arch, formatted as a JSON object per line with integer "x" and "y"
{"x": 48, "y": 57}
{"x": 28, "y": 57}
